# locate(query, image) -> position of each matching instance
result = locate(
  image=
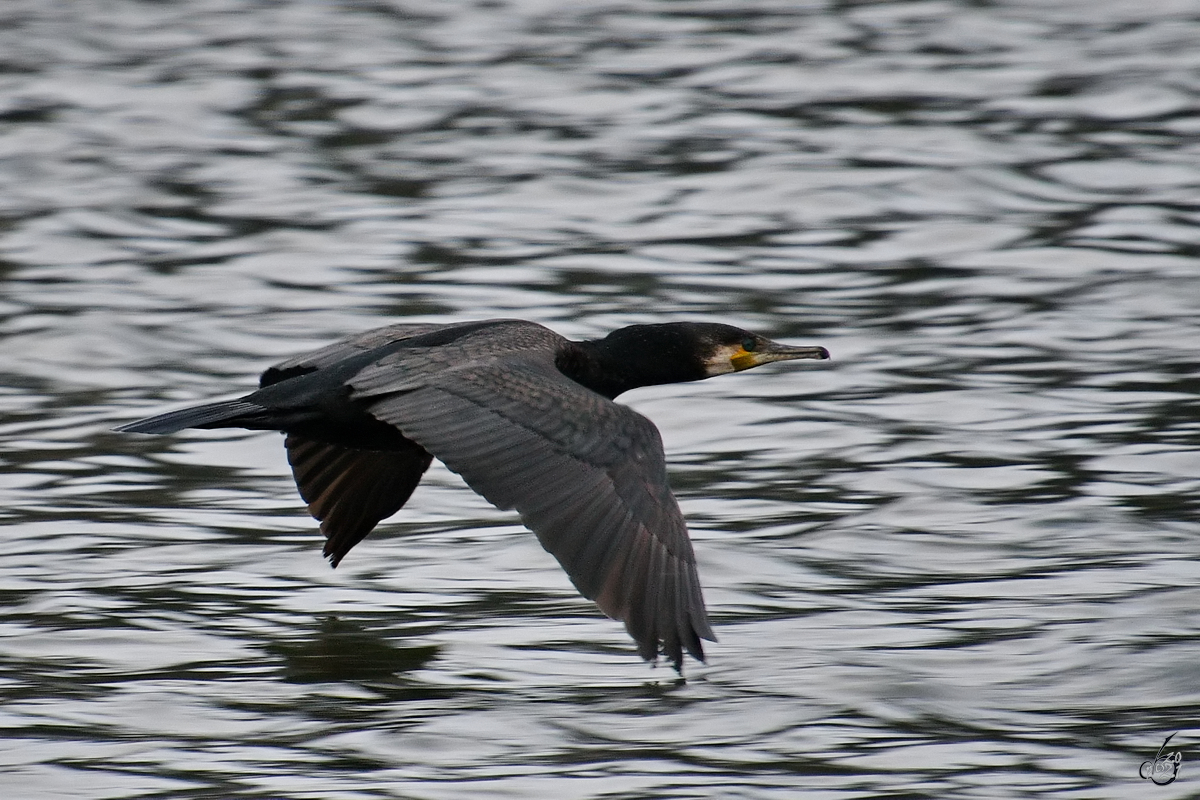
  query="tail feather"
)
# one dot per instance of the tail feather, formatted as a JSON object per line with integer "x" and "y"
{"x": 234, "y": 413}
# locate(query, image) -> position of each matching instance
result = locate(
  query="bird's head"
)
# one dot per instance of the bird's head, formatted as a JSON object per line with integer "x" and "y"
{"x": 674, "y": 352}
{"x": 724, "y": 348}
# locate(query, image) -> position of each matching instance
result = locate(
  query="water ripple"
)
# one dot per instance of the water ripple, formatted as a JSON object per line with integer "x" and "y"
{"x": 960, "y": 560}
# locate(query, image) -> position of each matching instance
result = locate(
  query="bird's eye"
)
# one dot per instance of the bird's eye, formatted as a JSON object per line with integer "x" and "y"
{"x": 749, "y": 343}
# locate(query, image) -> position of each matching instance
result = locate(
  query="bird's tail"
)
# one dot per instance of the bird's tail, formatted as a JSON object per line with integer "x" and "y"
{"x": 225, "y": 414}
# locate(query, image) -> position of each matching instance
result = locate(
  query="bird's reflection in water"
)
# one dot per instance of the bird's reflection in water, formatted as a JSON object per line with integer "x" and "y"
{"x": 342, "y": 650}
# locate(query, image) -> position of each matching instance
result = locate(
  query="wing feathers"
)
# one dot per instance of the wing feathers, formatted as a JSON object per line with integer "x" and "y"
{"x": 351, "y": 490}
{"x": 598, "y": 502}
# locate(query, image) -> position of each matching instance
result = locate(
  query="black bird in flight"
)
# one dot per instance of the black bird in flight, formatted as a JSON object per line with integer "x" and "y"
{"x": 527, "y": 418}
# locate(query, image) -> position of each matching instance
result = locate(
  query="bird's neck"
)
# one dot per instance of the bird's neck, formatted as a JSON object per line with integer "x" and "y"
{"x": 611, "y": 370}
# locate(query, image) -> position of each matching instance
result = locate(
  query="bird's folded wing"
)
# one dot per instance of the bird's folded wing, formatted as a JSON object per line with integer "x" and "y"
{"x": 587, "y": 475}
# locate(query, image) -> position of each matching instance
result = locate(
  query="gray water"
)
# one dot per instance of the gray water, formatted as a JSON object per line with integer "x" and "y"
{"x": 961, "y": 560}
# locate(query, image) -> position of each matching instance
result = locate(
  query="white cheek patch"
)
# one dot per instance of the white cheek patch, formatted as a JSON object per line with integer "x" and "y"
{"x": 721, "y": 361}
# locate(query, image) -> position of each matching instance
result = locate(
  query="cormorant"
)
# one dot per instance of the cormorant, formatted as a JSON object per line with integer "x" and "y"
{"x": 527, "y": 418}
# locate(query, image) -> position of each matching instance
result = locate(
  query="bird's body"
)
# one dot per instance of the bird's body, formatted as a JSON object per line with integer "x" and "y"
{"x": 527, "y": 418}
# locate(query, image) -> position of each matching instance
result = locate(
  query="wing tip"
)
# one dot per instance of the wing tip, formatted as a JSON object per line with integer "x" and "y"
{"x": 672, "y": 647}
{"x": 335, "y": 558}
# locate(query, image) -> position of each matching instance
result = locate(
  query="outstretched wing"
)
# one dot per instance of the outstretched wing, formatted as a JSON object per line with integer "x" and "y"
{"x": 349, "y": 490}
{"x": 587, "y": 475}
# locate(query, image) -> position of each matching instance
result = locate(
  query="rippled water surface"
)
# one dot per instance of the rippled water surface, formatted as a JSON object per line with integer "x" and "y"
{"x": 960, "y": 560}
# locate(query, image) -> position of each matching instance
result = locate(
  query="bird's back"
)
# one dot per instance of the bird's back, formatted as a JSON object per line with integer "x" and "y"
{"x": 431, "y": 346}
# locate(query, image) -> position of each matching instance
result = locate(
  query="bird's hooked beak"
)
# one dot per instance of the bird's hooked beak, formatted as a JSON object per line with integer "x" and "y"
{"x": 755, "y": 352}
